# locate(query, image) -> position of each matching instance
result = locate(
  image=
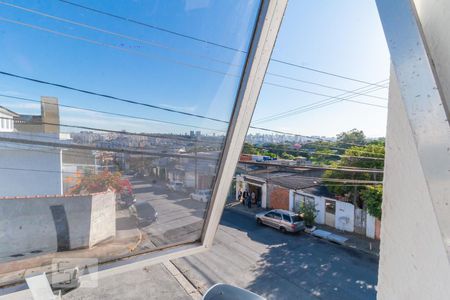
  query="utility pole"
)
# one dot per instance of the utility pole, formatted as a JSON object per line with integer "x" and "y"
{"x": 196, "y": 171}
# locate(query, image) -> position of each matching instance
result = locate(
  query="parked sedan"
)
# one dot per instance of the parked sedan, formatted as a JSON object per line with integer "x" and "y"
{"x": 144, "y": 213}
{"x": 283, "y": 220}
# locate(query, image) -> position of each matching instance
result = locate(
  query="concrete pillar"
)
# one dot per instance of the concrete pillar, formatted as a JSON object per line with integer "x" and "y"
{"x": 264, "y": 195}
{"x": 415, "y": 231}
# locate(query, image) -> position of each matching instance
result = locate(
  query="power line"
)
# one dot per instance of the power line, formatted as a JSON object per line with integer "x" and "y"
{"x": 165, "y": 58}
{"x": 101, "y": 148}
{"x": 324, "y": 72}
{"x": 364, "y": 89}
{"x": 206, "y": 41}
{"x": 313, "y": 106}
{"x": 114, "y": 98}
{"x": 152, "y": 26}
{"x": 112, "y": 113}
{"x": 323, "y": 85}
{"x": 122, "y": 132}
{"x": 134, "y": 102}
{"x": 95, "y": 42}
{"x": 339, "y": 180}
{"x": 154, "y": 44}
{"x": 327, "y": 154}
{"x": 320, "y": 94}
{"x": 128, "y": 37}
{"x": 323, "y": 168}
{"x": 177, "y": 62}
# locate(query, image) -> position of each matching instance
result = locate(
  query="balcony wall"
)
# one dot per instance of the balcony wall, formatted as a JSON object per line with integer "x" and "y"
{"x": 30, "y": 224}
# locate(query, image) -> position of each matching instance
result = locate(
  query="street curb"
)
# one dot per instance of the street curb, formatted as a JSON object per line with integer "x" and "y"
{"x": 344, "y": 245}
{"x": 249, "y": 214}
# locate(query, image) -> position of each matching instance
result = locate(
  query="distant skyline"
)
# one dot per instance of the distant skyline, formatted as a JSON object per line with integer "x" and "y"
{"x": 320, "y": 34}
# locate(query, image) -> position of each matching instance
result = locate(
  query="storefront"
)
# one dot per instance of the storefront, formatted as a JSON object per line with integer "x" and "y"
{"x": 254, "y": 186}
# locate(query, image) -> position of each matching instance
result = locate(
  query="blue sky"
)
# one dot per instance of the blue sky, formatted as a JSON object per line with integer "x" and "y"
{"x": 344, "y": 37}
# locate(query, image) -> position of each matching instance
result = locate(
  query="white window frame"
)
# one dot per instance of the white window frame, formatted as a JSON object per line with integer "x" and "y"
{"x": 268, "y": 23}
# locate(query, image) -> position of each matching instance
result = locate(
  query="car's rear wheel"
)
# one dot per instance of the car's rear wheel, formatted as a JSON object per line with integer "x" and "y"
{"x": 259, "y": 221}
{"x": 283, "y": 230}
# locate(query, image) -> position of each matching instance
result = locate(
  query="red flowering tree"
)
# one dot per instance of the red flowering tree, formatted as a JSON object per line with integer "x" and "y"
{"x": 89, "y": 183}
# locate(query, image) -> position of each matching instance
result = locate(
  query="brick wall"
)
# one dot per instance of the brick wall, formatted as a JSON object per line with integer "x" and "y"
{"x": 279, "y": 198}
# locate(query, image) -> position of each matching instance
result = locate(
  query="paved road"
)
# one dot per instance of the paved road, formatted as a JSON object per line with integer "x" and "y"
{"x": 179, "y": 217}
{"x": 280, "y": 266}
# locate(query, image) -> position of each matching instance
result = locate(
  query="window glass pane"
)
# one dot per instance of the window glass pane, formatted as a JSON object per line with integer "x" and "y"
{"x": 277, "y": 216}
{"x": 120, "y": 112}
{"x": 286, "y": 218}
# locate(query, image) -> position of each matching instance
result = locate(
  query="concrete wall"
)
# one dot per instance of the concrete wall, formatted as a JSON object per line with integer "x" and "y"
{"x": 413, "y": 259}
{"x": 414, "y": 262}
{"x": 27, "y": 224}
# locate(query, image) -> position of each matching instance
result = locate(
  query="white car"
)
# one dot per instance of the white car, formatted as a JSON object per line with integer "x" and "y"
{"x": 175, "y": 186}
{"x": 201, "y": 195}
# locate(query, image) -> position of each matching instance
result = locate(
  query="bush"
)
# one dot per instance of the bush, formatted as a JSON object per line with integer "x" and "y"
{"x": 308, "y": 212}
{"x": 373, "y": 196}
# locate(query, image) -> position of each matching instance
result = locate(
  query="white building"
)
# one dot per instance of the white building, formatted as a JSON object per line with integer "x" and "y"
{"x": 7, "y": 119}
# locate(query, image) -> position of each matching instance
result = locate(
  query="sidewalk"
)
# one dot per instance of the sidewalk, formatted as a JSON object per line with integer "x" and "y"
{"x": 353, "y": 240}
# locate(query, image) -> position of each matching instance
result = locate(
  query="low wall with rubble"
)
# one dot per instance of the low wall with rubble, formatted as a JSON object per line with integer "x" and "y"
{"x": 55, "y": 223}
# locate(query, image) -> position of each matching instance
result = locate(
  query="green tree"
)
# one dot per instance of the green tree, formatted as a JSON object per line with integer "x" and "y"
{"x": 250, "y": 149}
{"x": 353, "y": 136}
{"x": 308, "y": 212}
{"x": 373, "y": 196}
{"x": 359, "y": 157}
{"x": 286, "y": 155}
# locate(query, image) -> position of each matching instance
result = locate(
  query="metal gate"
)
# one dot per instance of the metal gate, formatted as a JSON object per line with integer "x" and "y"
{"x": 330, "y": 213}
{"x": 360, "y": 221}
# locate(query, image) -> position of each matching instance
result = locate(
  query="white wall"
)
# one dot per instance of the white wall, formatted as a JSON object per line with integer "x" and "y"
{"x": 28, "y": 173}
{"x": 6, "y": 123}
{"x": 414, "y": 262}
{"x": 345, "y": 214}
{"x": 297, "y": 197}
{"x": 27, "y": 224}
{"x": 370, "y": 226}
{"x": 264, "y": 195}
{"x": 320, "y": 206}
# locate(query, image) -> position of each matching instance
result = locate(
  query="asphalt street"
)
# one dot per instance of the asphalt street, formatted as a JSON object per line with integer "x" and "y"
{"x": 255, "y": 257}
{"x": 281, "y": 266}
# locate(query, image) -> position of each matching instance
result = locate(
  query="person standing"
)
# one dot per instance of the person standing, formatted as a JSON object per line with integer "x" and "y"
{"x": 240, "y": 195}
{"x": 244, "y": 197}
{"x": 253, "y": 195}
{"x": 249, "y": 200}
